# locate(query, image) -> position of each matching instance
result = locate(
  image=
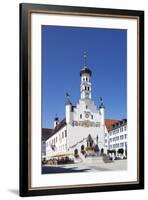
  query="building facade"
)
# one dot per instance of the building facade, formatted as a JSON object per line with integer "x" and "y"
{"x": 108, "y": 125}
{"x": 116, "y": 138}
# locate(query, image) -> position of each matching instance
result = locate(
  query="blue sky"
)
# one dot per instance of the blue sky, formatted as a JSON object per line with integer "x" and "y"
{"x": 62, "y": 60}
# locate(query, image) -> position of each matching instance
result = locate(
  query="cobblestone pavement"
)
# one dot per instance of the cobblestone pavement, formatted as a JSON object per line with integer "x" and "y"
{"x": 117, "y": 165}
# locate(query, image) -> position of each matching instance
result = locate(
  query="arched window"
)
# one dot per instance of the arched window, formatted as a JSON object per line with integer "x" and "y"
{"x": 76, "y": 152}
{"x": 82, "y": 147}
{"x": 80, "y": 116}
{"x": 102, "y": 151}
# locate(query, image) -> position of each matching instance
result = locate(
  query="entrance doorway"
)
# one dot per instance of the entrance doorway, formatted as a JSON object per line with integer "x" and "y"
{"x": 89, "y": 141}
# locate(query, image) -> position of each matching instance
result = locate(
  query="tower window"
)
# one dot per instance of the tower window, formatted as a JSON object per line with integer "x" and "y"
{"x": 92, "y": 116}
{"x": 86, "y": 78}
{"x": 65, "y": 133}
{"x": 85, "y": 88}
{"x": 80, "y": 116}
{"x": 88, "y": 88}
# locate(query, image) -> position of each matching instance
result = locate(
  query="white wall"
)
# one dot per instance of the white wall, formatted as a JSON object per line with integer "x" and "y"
{"x": 9, "y": 86}
{"x": 59, "y": 145}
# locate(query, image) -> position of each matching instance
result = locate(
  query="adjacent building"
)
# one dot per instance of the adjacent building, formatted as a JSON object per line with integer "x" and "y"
{"x": 116, "y": 138}
{"x": 108, "y": 125}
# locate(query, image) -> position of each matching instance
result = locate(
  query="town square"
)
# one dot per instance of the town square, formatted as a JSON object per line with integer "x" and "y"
{"x": 84, "y": 137}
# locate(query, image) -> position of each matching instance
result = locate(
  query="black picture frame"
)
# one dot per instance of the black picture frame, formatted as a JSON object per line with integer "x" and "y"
{"x": 25, "y": 98}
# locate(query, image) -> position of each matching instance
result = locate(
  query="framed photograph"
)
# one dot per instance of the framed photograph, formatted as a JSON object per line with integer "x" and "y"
{"x": 81, "y": 99}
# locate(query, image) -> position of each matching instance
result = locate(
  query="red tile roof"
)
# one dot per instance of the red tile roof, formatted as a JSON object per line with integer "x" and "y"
{"x": 110, "y": 122}
{"x": 114, "y": 124}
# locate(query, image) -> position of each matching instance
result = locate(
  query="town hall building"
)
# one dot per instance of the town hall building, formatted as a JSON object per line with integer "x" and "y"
{"x": 83, "y": 126}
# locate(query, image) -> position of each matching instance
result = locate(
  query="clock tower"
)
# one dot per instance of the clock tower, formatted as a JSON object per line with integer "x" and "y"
{"x": 85, "y": 87}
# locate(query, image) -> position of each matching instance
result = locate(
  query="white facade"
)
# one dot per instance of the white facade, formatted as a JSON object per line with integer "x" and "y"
{"x": 117, "y": 137}
{"x": 83, "y": 121}
{"x": 57, "y": 143}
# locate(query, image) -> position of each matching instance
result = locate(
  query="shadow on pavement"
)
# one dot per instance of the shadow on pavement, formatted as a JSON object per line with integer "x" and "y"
{"x": 52, "y": 169}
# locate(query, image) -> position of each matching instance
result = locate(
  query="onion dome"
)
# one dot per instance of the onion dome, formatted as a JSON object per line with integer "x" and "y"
{"x": 85, "y": 70}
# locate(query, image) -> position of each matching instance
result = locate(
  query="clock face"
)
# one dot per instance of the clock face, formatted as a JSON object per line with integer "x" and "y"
{"x": 86, "y": 115}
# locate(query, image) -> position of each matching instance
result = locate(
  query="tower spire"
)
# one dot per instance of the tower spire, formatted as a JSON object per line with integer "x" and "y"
{"x": 85, "y": 58}
{"x": 68, "y": 99}
{"x": 56, "y": 120}
{"x": 85, "y": 75}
